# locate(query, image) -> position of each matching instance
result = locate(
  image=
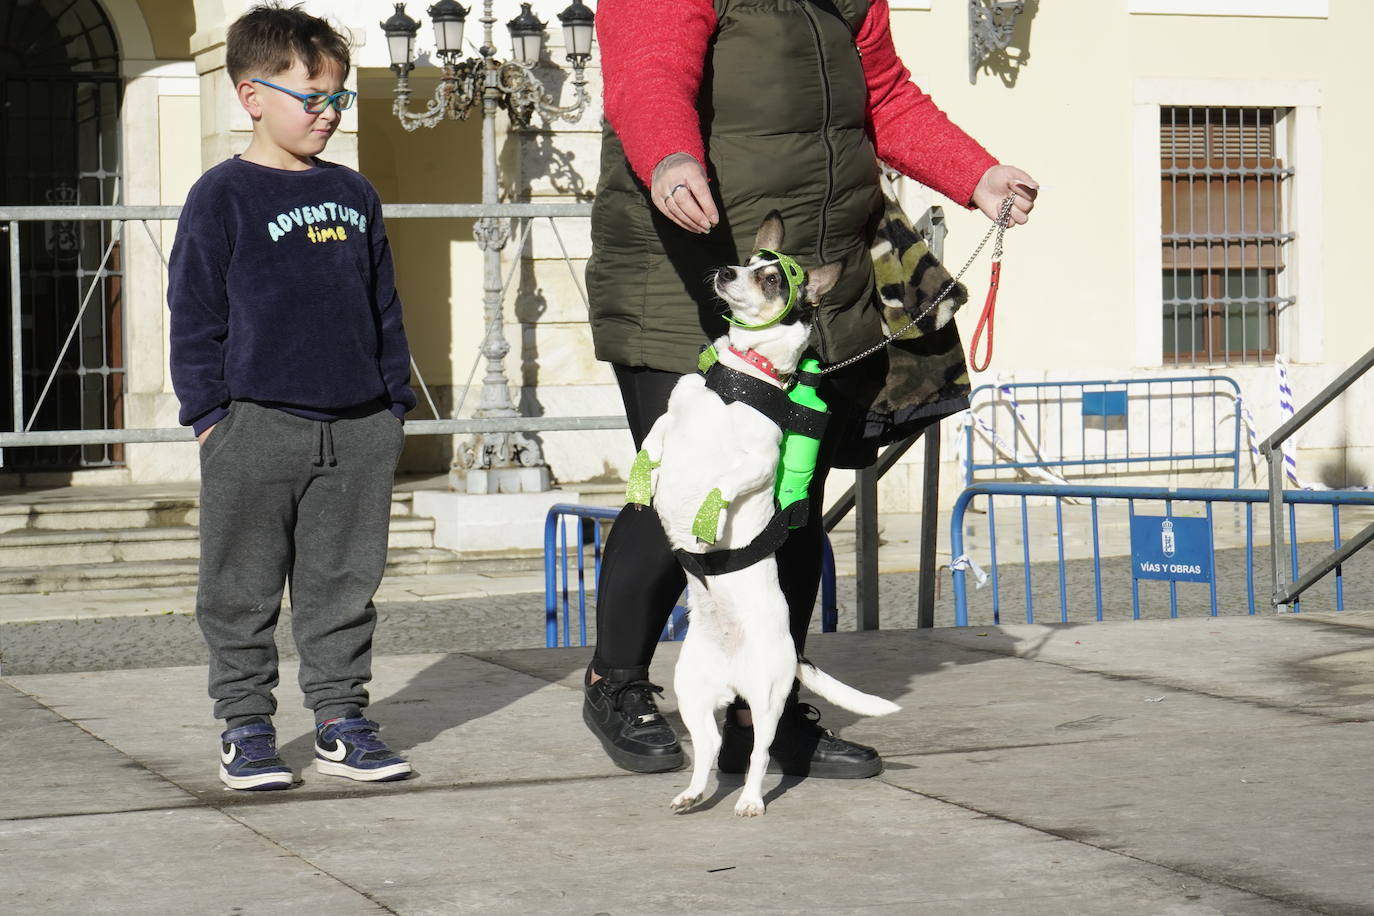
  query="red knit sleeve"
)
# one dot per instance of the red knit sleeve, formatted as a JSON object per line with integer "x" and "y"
{"x": 651, "y": 66}
{"x": 910, "y": 133}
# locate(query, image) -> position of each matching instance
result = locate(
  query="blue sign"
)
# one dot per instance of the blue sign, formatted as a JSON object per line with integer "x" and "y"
{"x": 1104, "y": 403}
{"x": 1163, "y": 547}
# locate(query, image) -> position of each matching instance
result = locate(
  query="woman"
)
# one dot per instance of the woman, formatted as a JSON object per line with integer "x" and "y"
{"x": 718, "y": 111}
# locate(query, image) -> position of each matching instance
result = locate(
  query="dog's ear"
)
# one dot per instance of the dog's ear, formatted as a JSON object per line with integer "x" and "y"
{"x": 770, "y": 232}
{"x": 820, "y": 280}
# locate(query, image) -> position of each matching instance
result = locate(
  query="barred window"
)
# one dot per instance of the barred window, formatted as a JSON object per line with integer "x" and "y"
{"x": 1225, "y": 233}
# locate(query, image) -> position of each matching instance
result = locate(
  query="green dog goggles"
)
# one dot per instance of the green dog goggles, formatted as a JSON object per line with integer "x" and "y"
{"x": 796, "y": 279}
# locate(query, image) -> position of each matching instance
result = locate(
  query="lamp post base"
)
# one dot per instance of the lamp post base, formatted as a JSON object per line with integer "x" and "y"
{"x": 500, "y": 480}
{"x": 483, "y": 524}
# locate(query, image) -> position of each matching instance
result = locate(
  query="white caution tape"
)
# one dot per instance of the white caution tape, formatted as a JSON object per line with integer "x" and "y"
{"x": 1006, "y": 450}
{"x": 1290, "y": 460}
{"x": 1290, "y": 447}
{"x": 965, "y": 563}
{"x": 1251, "y": 436}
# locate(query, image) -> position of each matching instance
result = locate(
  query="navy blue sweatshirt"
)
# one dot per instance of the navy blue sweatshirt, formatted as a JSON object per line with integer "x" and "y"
{"x": 282, "y": 291}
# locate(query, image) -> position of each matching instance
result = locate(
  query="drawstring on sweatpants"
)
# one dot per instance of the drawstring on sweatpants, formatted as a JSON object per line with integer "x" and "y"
{"x": 324, "y": 446}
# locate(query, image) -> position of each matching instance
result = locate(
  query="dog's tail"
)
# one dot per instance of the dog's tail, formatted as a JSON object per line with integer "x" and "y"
{"x": 865, "y": 704}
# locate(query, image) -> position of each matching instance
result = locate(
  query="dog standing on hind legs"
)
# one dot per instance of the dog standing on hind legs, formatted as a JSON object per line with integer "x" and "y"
{"x": 717, "y": 449}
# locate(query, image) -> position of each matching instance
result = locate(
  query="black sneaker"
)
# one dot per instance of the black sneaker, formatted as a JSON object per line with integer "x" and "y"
{"x": 624, "y": 716}
{"x": 801, "y": 747}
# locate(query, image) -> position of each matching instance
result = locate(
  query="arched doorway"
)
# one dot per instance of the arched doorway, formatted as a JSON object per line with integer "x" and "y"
{"x": 60, "y": 92}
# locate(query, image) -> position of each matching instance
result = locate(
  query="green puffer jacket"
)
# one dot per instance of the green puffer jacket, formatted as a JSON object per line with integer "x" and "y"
{"x": 783, "y": 115}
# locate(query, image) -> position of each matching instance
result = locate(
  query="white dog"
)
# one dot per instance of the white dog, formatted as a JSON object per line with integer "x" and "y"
{"x": 738, "y": 643}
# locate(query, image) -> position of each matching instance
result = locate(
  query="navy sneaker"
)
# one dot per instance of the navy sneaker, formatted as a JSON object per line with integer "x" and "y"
{"x": 350, "y": 747}
{"x": 248, "y": 759}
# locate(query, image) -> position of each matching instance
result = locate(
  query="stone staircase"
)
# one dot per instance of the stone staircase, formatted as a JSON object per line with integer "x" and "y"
{"x": 78, "y": 538}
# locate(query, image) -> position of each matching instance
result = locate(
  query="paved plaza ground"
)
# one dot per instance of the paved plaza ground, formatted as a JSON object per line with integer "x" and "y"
{"x": 1174, "y": 766}
{"x": 1208, "y": 765}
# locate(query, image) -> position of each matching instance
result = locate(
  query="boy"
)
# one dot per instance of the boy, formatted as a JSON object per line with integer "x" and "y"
{"x": 291, "y": 364}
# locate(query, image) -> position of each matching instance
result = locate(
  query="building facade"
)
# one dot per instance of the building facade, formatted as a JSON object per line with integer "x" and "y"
{"x": 1200, "y": 213}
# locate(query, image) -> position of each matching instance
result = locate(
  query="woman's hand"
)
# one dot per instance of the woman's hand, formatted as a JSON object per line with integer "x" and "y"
{"x": 206, "y": 434}
{"x": 681, "y": 193}
{"x": 1003, "y": 181}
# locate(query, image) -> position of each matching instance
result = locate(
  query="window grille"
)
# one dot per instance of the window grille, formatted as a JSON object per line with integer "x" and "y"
{"x": 1226, "y": 244}
{"x": 60, "y": 98}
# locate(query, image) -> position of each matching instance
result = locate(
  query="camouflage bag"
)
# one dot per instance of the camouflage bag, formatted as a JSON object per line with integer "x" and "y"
{"x": 908, "y": 277}
{"x": 926, "y": 376}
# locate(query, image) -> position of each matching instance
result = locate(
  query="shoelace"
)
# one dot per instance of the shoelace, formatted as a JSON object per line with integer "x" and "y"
{"x": 258, "y": 747}
{"x": 634, "y": 696}
{"x": 364, "y": 736}
{"x": 810, "y": 716}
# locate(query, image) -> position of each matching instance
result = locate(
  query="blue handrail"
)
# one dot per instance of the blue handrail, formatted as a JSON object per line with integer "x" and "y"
{"x": 553, "y": 533}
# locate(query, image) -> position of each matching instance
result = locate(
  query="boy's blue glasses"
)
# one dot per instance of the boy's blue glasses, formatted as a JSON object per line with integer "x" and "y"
{"x": 317, "y": 102}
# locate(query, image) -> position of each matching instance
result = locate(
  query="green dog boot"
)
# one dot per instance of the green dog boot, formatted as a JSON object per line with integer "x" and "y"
{"x": 707, "y": 523}
{"x": 640, "y": 487}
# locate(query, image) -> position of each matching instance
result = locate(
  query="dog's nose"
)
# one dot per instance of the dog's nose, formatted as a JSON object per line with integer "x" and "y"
{"x": 726, "y": 274}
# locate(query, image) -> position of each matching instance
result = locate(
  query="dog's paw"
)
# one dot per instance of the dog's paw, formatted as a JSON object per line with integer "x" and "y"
{"x": 749, "y": 807}
{"x": 684, "y": 802}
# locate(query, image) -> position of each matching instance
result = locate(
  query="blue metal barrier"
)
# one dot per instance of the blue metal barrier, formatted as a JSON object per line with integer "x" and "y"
{"x": 1088, "y": 425}
{"x": 557, "y": 581}
{"x": 1141, "y": 567}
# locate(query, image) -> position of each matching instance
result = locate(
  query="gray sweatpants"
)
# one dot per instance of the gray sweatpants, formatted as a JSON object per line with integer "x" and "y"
{"x": 285, "y": 499}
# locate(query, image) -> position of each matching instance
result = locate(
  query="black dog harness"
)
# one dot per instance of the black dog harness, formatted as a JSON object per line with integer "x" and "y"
{"x": 733, "y": 386}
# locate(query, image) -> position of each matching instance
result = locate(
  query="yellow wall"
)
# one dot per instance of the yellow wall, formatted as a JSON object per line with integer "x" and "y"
{"x": 438, "y": 265}
{"x": 1068, "y": 120}
{"x": 170, "y": 23}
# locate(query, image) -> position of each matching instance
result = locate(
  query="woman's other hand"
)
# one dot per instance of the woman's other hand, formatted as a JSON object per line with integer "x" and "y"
{"x": 681, "y": 193}
{"x": 1003, "y": 181}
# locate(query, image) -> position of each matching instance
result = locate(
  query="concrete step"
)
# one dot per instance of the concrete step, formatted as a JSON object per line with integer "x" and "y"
{"x": 98, "y": 514}
{"x": 115, "y": 512}
{"x": 50, "y": 548}
{"x": 609, "y": 495}
{"x": 408, "y": 561}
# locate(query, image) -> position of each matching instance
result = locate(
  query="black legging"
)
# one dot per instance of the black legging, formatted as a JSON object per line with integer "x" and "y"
{"x": 641, "y": 579}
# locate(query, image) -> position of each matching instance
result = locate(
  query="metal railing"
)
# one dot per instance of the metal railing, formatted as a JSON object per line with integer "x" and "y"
{"x": 558, "y": 578}
{"x": 862, "y": 497}
{"x": 1088, "y": 425}
{"x": 1272, "y": 449}
{"x": 23, "y": 435}
{"x": 1032, "y": 540}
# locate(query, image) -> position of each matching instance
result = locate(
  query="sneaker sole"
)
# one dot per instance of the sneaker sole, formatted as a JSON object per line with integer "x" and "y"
{"x": 380, "y": 774}
{"x": 260, "y": 782}
{"x": 635, "y": 763}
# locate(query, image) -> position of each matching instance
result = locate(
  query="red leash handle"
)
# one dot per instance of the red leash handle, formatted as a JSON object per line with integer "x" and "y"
{"x": 986, "y": 320}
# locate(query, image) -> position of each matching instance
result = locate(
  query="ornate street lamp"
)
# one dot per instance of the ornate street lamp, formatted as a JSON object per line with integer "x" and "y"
{"x": 491, "y": 462}
{"x": 466, "y": 83}
{"x": 578, "y": 25}
{"x": 448, "y": 18}
{"x": 526, "y": 37}
{"x": 400, "y": 32}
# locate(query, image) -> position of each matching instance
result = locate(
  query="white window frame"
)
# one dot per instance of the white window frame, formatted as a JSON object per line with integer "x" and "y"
{"x": 1289, "y": 9}
{"x": 1299, "y": 341}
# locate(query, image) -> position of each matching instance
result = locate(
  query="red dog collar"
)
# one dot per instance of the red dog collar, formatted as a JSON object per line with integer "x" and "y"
{"x": 759, "y": 362}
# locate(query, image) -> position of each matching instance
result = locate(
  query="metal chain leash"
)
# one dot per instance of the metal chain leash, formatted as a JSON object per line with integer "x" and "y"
{"x": 999, "y": 227}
